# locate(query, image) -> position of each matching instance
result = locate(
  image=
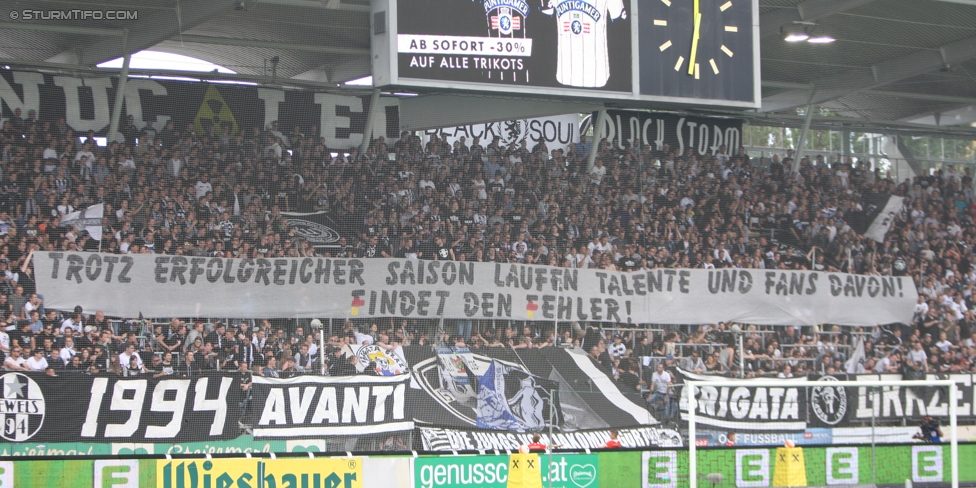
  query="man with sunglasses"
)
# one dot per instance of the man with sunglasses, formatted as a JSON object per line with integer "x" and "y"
{"x": 15, "y": 362}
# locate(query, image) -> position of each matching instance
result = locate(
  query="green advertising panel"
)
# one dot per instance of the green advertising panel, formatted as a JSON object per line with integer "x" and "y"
{"x": 103, "y": 473}
{"x": 839, "y": 465}
{"x": 565, "y": 471}
{"x": 240, "y": 445}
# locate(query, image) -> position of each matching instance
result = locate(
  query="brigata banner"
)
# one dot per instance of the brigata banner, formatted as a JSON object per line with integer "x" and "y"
{"x": 782, "y": 408}
{"x": 342, "y": 288}
{"x": 812, "y": 401}
{"x": 85, "y": 408}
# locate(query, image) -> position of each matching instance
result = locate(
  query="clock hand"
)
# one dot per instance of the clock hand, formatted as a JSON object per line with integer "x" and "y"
{"x": 694, "y": 41}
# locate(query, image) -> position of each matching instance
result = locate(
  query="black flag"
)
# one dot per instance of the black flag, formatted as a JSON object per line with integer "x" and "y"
{"x": 877, "y": 216}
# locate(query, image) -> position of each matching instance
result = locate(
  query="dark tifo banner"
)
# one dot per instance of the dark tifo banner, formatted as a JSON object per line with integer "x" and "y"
{"x": 320, "y": 229}
{"x": 86, "y": 103}
{"x": 462, "y": 401}
{"x": 800, "y": 403}
{"x": 842, "y": 406}
{"x": 435, "y": 439}
{"x": 84, "y": 408}
{"x": 319, "y": 406}
{"x": 740, "y": 408}
{"x": 704, "y": 135}
{"x": 877, "y": 216}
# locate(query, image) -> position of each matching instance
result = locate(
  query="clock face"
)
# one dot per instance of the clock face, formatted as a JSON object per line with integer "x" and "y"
{"x": 708, "y": 58}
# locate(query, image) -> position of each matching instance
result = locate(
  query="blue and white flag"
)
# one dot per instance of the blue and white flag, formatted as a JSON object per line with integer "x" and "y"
{"x": 510, "y": 399}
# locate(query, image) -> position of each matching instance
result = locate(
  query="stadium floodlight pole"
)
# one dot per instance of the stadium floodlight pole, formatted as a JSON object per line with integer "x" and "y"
{"x": 113, "y": 125}
{"x": 730, "y": 383}
{"x": 374, "y": 102}
{"x": 803, "y": 139}
{"x": 598, "y": 126}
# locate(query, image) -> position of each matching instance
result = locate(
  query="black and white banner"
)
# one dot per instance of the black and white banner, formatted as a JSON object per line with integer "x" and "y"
{"x": 703, "y": 134}
{"x": 814, "y": 402}
{"x": 541, "y": 388}
{"x": 318, "y": 406}
{"x": 410, "y": 288}
{"x": 557, "y": 132}
{"x": 86, "y": 104}
{"x": 318, "y": 228}
{"x": 853, "y": 406}
{"x": 780, "y": 408}
{"x": 85, "y": 408}
{"x": 879, "y": 213}
{"x": 436, "y": 439}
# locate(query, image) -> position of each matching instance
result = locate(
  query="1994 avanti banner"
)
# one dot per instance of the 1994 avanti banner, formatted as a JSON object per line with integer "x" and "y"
{"x": 336, "y": 288}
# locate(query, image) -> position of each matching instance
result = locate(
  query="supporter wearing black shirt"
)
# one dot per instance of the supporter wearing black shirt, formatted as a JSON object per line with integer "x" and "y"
{"x": 23, "y": 336}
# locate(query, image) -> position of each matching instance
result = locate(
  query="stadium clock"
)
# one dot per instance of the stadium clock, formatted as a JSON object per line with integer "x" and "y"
{"x": 698, "y": 48}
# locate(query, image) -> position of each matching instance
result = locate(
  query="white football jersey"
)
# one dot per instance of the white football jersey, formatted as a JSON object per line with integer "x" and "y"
{"x": 582, "y": 31}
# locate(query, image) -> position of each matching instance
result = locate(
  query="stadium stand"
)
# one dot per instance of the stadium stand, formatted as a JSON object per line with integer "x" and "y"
{"x": 174, "y": 191}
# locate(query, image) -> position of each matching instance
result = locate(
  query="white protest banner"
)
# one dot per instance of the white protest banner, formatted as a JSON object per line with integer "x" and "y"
{"x": 160, "y": 286}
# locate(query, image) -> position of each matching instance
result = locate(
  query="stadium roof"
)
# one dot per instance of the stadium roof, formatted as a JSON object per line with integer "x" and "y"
{"x": 895, "y": 62}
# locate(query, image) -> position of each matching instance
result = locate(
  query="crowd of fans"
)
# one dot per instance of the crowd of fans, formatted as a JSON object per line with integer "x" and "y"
{"x": 174, "y": 191}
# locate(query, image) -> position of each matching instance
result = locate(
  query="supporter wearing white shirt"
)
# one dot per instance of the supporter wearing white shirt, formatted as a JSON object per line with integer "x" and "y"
{"x": 922, "y": 307}
{"x": 37, "y": 362}
{"x": 68, "y": 351}
{"x": 51, "y": 152}
{"x": 917, "y": 356}
{"x": 85, "y": 156}
{"x": 598, "y": 172}
{"x": 14, "y": 362}
{"x": 128, "y": 354}
{"x": 4, "y": 343}
{"x": 73, "y": 323}
{"x": 203, "y": 186}
{"x": 617, "y": 349}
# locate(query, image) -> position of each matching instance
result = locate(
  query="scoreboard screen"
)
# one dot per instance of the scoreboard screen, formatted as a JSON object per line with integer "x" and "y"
{"x": 675, "y": 51}
{"x": 572, "y": 44}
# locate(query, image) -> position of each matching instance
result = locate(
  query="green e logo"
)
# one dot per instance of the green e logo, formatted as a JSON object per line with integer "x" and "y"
{"x": 842, "y": 466}
{"x": 660, "y": 469}
{"x": 121, "y": 473}
{"x": 927, "y": 463}
{"x": 752, "y": 467}
{"x": 6, "y": 474}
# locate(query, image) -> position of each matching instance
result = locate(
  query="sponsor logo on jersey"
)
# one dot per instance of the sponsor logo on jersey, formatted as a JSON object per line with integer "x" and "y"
{"x": 580, "y": 6}
{"x": 519, "y": 5}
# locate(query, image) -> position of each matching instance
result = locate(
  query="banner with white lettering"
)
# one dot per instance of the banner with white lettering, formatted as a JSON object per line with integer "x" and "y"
{"x": 846, "y": 406}
{"x": 318, "y": 406}
{"x": 557, "y": 132}
{"x": 778, "y": 408}
{"x": 342, "y": 288}
{"x": 84, "y": 408}
{"x": 86, "y": 104}
{"x": 436, "y": 439}
{"x": 703, "y": 134}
